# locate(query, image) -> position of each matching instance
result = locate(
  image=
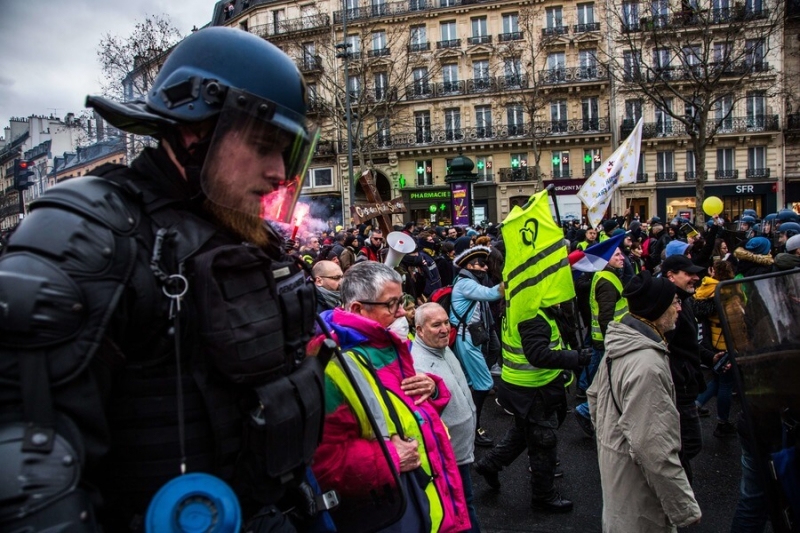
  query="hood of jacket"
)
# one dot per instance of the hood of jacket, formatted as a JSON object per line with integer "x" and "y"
{"x": 631, "y": 335}
{"x": 786, "y": 261}
{"x": 706, "y": 288}
{"x": 746, "y": 255}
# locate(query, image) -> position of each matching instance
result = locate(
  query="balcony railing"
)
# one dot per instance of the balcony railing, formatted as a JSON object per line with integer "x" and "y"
{"x": 450, "y": 88}
{"x": 479, "y": 39}
{"x": 380, "y": 52}
{"x": 726, "y": 174}
{"x": 516, "y": 174}
{"x": 641, "y": 177}
{"x": 310, "y": 22}
{"x": 561, "y": 174}
{"x": 310, "y": 64}
{"x": 418, "y": 47}
{"x": 666, "y": 176}
{"x": 586, "y": 27}
{"x": 451, "y": 43}
{"x": 573, "y": 74}
{"x": 672, "y": 128}
{"x": 691, "y": 175}
{"x": 510, "y": 36}
{"x": 325, "y": 148}
{"x": 757, "y": 173}
{"x": 553, "y": 31}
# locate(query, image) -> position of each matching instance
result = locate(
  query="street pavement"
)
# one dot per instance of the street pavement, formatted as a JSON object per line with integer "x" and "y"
{"x": 716, "y": 484}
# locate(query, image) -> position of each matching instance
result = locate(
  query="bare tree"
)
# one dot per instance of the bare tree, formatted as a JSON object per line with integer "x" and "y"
{"x": 698, "y": 63}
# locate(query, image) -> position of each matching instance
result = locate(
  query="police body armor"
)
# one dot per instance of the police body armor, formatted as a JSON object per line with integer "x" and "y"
{"x": 89, "y": 288}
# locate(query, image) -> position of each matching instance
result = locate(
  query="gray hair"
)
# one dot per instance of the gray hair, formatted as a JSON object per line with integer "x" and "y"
{"x": 364, "y": 282}
{"x": 374, "y": 231}
{"x": 422, "y": 312}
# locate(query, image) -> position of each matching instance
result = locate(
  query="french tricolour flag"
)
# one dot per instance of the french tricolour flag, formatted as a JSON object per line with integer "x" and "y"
{"x": 595, "y": 258}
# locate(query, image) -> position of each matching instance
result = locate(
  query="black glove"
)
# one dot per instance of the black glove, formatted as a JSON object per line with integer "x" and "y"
{"x": 584, "y": 356}
{"x": 289, "y": 245}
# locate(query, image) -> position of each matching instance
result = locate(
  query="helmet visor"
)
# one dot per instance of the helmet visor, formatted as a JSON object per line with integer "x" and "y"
{"x": 258, "y": 157}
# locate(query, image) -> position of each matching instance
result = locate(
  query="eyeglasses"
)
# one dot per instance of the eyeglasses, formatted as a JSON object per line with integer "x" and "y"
{"x": 391, "y": 305}
{"x": 676, "y": 302}
{"x": 377, "y": 239}
{"x": 335, "y": 278}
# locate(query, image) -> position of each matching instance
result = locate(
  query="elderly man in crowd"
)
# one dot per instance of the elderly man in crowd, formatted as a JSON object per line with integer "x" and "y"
{"x": 632, "y": 404}
{"x": 405, "y": 404}
{"x": 432, "y": 354}
{"x": 327, "y": 277}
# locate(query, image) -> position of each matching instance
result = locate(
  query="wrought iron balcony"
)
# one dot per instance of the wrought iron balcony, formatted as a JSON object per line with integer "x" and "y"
{"x": 317, "y": 105}
{"x": 418, "y": 47}
{"x": 310, "y": 22}
{"x": 586, "y": 27}
{"x": 450, "y": 88}
{"x": 573, "y": 74}
{"x": 730, "y": 174}
{"x": 310, "y": 64}
{"x": 691, "y": 175}
{"x": 670, "y": 128}
{"x": 631, "y": 26}
{"x": 516, "y": 174}
{"x": 451, "y": 43}
{"x": 757, "y": 173}
{"x": 666, "y": 176}
{"x": 325, "y": 148}
{"x": 641, "y": 177}
{"x": 380, "y": 52}
{"x": 510, "y": 36}
{"x": 481, "y": 85}
{"x": 419, "y": 90}
{"x": 561, "y": 174}
{"x": 553, "y": 31}
{"x": 479, "y": 39}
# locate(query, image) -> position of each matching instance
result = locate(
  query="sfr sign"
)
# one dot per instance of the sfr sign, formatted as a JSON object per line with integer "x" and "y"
{"x": 740, "y": 189}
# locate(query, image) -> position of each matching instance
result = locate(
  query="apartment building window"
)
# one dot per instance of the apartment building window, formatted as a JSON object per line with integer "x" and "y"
{"x": 452, "y": 124}
{"x": 422, "y": 126}
{"x": 480, "y": 74}
{"x": 421, "y": 82}
{"x": 384, "y": 134}
{"x": 664, "y": 118}
{"x": 381, "y": 85}
{"x": 483, "y": 168}
{"x": 311, "y": 92}
{"x": 659, "y": 10}
{"x": 756, "y": 104}
{"x": 720, "y": 10}
{"x": 631, "y": 65}
{"x": 379, "y": 44}
{"x": 351, "y": 9}
{"x": 419, "y": 39}
{"x": 757, "y": 162}
{"x": 379, "y": 7}
{"x": 754, "y": 54}
{"x": 424, "y": 173}
{"x": 633, "y": 111}
{"x": 558, "y": 116}
{"x": 515, "y": 118}
{"x": 560, "y": 161}
{"x": 448, "y": 33}
{"x": 519, "y": 166}
{"x": 691, "y": 166}
{"x": 318, "y": 177}
{"x": 278, "y": 18}
{"x": 661, "y": 61}
{"x": 512, "y": 68}
{"x": 309, "y": 56}
{"x": 589, "y": 109}
{"x": 480, "y": 33}
{"x": 587, "y": 62}
{"x": 557, "y": 66}
{"x": 450, "y": 78}
{"x": 448, "y": 3}
{"x": 554, "y": 17}
{"x": 511, "y": 27}
{"x": 754, "y": 8}
{"x": 723, "y": 113}
{"x": 483, "y": 121}
{"x": 630, "y": 16}
{"x": 692, "y": 59}
{"x": 726, "y": 158}
{"x": 665, "y": 166}
{"x": 354, "y": 42}
{"x": 592, "y": 159}
{"x": 417, "y": 5}
{"x": 354, "y": 87}
{"x": 692, "y": 113}
{"x": 585, "y": 18}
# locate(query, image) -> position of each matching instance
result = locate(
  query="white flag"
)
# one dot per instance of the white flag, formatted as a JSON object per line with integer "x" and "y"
{"x": 619, "y": 169}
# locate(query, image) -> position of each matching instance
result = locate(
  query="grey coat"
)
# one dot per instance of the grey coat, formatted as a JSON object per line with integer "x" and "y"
{"x": 645, "y": 488}
{"x": 459, "y": 415}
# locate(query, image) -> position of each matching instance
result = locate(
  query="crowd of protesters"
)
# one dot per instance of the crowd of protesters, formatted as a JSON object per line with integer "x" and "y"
{"x": 657, "y": 285}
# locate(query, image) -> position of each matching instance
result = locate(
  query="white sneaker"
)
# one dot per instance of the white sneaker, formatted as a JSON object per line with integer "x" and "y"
{"x": 496, "y": 370}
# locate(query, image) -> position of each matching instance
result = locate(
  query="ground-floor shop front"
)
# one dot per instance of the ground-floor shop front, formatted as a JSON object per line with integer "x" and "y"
{"x": 681, "y": 201}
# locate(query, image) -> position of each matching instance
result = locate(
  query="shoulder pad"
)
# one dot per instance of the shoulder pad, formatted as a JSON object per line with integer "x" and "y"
{"x": 94, "y": 198}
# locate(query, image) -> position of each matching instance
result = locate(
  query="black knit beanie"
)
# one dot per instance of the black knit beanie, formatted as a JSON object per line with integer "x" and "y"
{"x": 649, "y": 297}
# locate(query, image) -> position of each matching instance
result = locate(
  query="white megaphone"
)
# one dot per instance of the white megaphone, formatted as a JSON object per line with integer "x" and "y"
{"x": 399, "y": 244}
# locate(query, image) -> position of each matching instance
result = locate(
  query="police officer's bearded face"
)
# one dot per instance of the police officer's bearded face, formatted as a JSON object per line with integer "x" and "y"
{"x": 435, "y": 332}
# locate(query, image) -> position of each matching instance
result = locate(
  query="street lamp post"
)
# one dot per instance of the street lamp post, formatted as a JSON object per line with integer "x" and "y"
{"x": 344, "y": 54}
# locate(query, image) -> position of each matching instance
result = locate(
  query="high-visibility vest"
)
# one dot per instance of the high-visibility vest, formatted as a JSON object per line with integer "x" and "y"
{"x": 602, "y": 236}
{"x": 517, "y": 370}
{"x": 582, "y": 245}
{"x": 620, "y": 309}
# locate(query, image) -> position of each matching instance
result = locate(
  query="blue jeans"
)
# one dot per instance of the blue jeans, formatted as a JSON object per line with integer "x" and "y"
{"x": 466, "y": 481}
{"x": 751, "y": 511}
{"x": 721, "y": 386}
{"x": 587, "y": 376}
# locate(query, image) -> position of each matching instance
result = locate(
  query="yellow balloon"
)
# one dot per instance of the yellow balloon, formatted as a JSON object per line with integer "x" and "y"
{"x": 712, "y": 206}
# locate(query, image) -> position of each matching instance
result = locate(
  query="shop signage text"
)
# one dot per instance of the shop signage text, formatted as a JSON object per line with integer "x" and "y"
{"x": 566, "y": 187}
{"x": 427, "y": 195}
{"x": 362, "y": 212}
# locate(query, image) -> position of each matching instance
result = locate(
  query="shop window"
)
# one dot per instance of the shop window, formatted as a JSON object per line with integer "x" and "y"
{"x": 424, "y": 171}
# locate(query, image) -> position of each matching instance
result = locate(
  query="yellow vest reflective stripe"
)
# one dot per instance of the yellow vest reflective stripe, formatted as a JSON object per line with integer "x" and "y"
{"x": 620, "y": 308}
{"x": 516, "y": 368}
{"x": 366, "y": 384}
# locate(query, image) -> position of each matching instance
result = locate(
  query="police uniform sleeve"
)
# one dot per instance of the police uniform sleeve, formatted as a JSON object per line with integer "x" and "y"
{"x": 535, "y": 336}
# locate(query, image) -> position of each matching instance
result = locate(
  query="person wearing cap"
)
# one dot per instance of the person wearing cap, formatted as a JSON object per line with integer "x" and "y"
{"x": 469, "y": 304}
{"x": 607, "y": 305}
{"x": 686, "y": 353}
{"x": 608, "y": 229}
{"x": 754, "y": 258}
{"x": 632, "y": 401}
{"x": 791, "y": 257}
{"x": 659, "y": 241}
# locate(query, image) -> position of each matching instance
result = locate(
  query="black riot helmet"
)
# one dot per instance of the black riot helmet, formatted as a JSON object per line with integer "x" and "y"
{"x": 254, "y": 98}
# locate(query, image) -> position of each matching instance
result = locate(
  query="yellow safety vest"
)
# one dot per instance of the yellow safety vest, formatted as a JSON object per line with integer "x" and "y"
{"x": 620, "y": 309}
{"x": 516, "y": 368}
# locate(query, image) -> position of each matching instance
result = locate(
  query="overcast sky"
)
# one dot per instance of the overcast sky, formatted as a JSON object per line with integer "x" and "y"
{"x": 48, "y": 48}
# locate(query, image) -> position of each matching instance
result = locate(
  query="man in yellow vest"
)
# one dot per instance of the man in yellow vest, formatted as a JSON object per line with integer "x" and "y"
{"x": 607, "y": 305}
{"x": 532, "y": 388}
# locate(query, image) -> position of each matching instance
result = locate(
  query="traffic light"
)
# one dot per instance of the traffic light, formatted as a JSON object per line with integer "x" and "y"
{"x": 22, "y": 169}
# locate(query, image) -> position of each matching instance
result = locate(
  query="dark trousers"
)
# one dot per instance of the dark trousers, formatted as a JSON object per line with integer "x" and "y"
{"x": 691, "y": 434}
{"x": 466, "y": 481}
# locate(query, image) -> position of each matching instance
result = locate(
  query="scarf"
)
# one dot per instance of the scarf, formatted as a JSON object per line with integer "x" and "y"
{"x": 331, "y": 298}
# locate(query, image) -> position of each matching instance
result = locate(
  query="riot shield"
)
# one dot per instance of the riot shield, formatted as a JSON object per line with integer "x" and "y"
{"x": 374, "y": 498}
{"x": 761, "y": 322}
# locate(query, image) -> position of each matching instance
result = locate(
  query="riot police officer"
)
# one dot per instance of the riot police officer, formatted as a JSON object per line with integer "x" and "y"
{"x": 152, "y": 324}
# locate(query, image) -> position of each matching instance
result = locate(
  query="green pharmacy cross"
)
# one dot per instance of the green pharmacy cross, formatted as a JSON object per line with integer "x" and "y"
{"x": 480, "y": 165}
{"x": 515, "y": 163}
{"x": 587, "y": 158}
{"x": 420, "y": 170}
{"x": 442, "y": 207}
{"x": 556, "y": 160}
